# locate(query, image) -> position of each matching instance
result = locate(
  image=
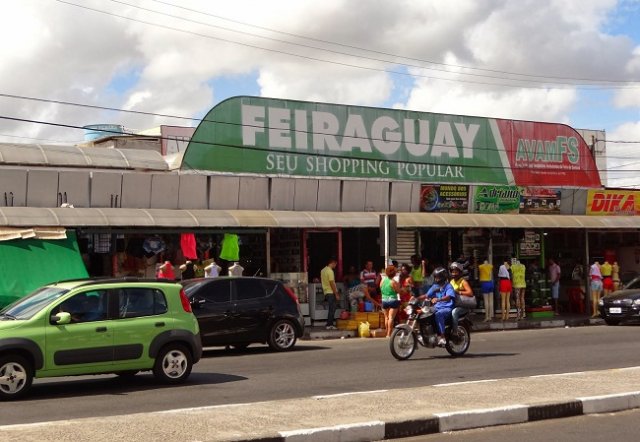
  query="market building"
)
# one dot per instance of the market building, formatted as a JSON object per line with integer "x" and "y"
{"x": 280, "y": 186}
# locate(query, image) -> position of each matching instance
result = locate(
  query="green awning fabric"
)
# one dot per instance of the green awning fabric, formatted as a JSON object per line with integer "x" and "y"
{"x": 26, "y": 264}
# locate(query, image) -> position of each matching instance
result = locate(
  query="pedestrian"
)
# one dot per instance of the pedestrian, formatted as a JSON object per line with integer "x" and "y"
{"x": 596, "y": 287}
{"x": 418, "y": 273}
{"x": 369, "y": 277}
{"x": 357, "y": 291}
{"x": 485, "y": 271}
{"x": 390, "y": 297}
{"x": 518, "y": 271}
{"x": 331, "y": 295}
{"x": 505, "y": 287}
{"x": 405, "y": 283}
{"x": 442, "y": 295}
{"x": 554, "y": 280}
{"x": 462, "y": 290}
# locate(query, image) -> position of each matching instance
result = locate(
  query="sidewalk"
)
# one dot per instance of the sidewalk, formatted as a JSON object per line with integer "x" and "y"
{"x": 363, "y": 416}
{"x": 564, "y": 320}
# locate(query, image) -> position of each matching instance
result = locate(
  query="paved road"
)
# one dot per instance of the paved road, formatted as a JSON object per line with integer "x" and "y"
{"x": 331, "y": 367}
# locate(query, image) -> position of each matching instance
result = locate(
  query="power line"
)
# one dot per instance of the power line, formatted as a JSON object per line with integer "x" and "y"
{"x": 89, "y": 106}
{"x": 312, "y": 154}
{"x": 371, "y": 50}
{"x": 338, "y": 63}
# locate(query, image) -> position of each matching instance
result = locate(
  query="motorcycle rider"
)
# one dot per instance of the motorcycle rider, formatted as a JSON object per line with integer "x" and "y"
{"x": 441, "y": 295}
{"x": 462, "y": 288}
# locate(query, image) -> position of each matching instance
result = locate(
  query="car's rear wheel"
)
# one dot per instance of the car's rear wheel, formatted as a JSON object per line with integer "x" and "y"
{"x": 173, "y": 364}
{"x": 282, "y": 335}
{"x": 610, "y": 321}
{"x": 16, "y": 377}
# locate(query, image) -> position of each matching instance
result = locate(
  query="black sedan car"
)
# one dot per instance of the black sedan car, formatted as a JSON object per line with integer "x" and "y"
{"x": 238, "y": 311}
{"x": 621, "y": 305}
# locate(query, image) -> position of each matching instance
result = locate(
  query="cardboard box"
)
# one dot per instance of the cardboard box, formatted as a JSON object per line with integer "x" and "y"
{"x": 359, "y": 316}
{"x": 347, "y": 324}
{"x": 378, "y": 333}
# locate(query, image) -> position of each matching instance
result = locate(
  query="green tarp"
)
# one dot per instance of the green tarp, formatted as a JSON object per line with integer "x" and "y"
{"x": 26, "y": 264}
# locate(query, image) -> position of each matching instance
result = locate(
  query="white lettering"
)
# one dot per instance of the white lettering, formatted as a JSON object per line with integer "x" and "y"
{"x": 325, "y": 129}
{"x": 422, "y": 147}
{"x": 385, "y": 137}
{"x": 252, "y": 123}
{"x": 302, "y": 131}
{"x": 444, "y": 142}
{"x": 279, "y": 128}
{"x": 467, "y": 135}
{"x": 355, "y": 135}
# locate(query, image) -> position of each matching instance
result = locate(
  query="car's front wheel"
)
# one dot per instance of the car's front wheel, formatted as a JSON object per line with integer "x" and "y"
{"x": 282, "y": 335}
{"x": 16, "y": 377}
{"x": 173, "y": 364}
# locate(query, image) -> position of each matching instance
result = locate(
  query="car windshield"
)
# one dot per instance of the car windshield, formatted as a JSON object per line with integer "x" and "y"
{"x": 28, "y": 306}
{"x": 633, "y": 284}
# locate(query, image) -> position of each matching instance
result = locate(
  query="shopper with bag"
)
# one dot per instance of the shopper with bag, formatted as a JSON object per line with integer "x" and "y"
{"x": 465, "y": 300}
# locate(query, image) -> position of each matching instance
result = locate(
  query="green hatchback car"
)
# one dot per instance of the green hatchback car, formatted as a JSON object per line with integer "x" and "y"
{"x": 82, "y": 327}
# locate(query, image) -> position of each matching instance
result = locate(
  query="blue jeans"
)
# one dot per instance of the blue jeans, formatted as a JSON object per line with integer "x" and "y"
{"x": 455, "y": 316}
{"x": 331, "y": 308}
{"x": 441, "y": 317}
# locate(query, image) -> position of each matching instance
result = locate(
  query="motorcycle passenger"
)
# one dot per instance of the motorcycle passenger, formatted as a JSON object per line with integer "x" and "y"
{"x": 462, "y": 288}
{"x": 441, "y": 294}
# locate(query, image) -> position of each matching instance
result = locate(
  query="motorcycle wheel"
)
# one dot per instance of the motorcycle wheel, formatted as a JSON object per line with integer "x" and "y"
{"x": 458, "y": 345}
{"x": 402, "y": 344}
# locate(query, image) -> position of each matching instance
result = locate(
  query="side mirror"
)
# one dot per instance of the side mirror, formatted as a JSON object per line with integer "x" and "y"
{"x": 61, "y": 318}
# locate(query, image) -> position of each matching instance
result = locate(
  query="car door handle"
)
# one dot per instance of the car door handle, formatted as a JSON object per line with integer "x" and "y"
{"x": 159, "y": 324}
{"x": 101, "y": 329}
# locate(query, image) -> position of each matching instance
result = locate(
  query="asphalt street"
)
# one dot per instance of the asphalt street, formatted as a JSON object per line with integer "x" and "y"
{"x": 295, "y": 380}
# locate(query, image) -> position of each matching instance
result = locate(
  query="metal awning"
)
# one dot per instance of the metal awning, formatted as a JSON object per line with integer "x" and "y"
{"x": 191, "y": 219}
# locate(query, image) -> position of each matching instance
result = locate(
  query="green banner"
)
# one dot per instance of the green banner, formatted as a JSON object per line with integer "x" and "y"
{"x": 295, "y": 138}
{"x": 497, "y": 199}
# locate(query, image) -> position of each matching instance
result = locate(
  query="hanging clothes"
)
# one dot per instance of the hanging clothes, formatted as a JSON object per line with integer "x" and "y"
{"x": 188, "y": 245}
{"x": 230, "y": 247}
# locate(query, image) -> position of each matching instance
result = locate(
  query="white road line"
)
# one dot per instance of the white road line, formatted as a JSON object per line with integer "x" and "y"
{"x": 466, "y": 382}
{"x": 352, "y": 393}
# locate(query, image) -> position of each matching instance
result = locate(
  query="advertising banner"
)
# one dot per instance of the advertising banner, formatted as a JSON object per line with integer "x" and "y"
{"x": 497, "y": 199}
{"x": 530, "y": 245}
{"x": 444, "y": 198}
{"x": 296, "y": 138}
{"x": 540, "y": 200}
{"x": 613, "y": 202}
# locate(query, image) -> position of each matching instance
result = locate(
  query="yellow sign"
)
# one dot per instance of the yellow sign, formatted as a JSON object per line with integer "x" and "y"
{"x": 613, "y": 202}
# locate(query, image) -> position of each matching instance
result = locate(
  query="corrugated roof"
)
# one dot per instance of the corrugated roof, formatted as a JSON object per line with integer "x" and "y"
{"x": 72, "y": 156}
{"x": 189, "y": 219}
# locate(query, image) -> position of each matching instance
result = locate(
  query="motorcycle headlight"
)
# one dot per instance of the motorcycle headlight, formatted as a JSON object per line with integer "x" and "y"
{"x": 601, "y": 302}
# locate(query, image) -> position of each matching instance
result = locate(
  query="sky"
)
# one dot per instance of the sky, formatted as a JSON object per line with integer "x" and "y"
{"x": 170, "y": 61}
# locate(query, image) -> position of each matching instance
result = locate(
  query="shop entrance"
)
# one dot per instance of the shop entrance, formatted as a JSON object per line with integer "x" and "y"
{"x": 320, "y": 246}
{"x": 360, "y": 246}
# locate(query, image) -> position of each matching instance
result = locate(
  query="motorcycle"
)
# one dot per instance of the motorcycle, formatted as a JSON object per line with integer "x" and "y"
{"x": 420, "y": 328}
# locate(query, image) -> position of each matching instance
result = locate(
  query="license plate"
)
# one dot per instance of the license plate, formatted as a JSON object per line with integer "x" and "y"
{"x": 615, "y": 310}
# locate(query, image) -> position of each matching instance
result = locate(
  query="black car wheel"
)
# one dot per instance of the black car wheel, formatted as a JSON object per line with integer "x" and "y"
{"x": 282, "y": 335}
{"x": 16, "y": 377}
{"x": 173, "y": 364}
{"x": 610, "y": 321}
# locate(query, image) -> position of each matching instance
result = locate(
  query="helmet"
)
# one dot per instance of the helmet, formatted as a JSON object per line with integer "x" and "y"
{"x": 440, "y": 275}
{"x": 456, "y": 266}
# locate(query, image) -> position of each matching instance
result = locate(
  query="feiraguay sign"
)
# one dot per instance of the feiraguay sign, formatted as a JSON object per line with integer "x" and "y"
{"x": 295, "y": 138}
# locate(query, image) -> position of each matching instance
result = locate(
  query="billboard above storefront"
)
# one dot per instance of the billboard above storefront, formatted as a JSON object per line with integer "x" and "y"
{"x": 450, "y": 198}
{"x": 295, "y": 138}
{"x": 613, "y": 202}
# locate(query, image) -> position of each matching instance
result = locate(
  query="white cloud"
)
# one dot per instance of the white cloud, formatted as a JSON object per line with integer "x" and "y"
{"x": 69, "y": 53}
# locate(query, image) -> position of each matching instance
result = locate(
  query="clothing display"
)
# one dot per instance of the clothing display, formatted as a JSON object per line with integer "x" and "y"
{"x": 188, "y": 245}
{"x": 230, "y": 247}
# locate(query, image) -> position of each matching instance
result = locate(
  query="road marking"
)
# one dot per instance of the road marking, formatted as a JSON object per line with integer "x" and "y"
{"x": 352, "y": 393}
{"x": 466, "y": 382}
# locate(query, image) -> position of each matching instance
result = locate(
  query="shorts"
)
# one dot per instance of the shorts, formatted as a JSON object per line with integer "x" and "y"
{"x": 607, "y": 283}
{"x": 555, "y": 290}
{"x": 390, "y": 304}
{"x": 505, "y": 286}
{"x": 596, "y": 285}
{"x": 486, "y": 287}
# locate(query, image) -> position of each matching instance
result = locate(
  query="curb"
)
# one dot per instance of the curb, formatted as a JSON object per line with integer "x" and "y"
{"x": 461, "y": 420}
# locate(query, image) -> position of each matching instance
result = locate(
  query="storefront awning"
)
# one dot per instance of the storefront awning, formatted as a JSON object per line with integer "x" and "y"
{"x": 189, "y": 219}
